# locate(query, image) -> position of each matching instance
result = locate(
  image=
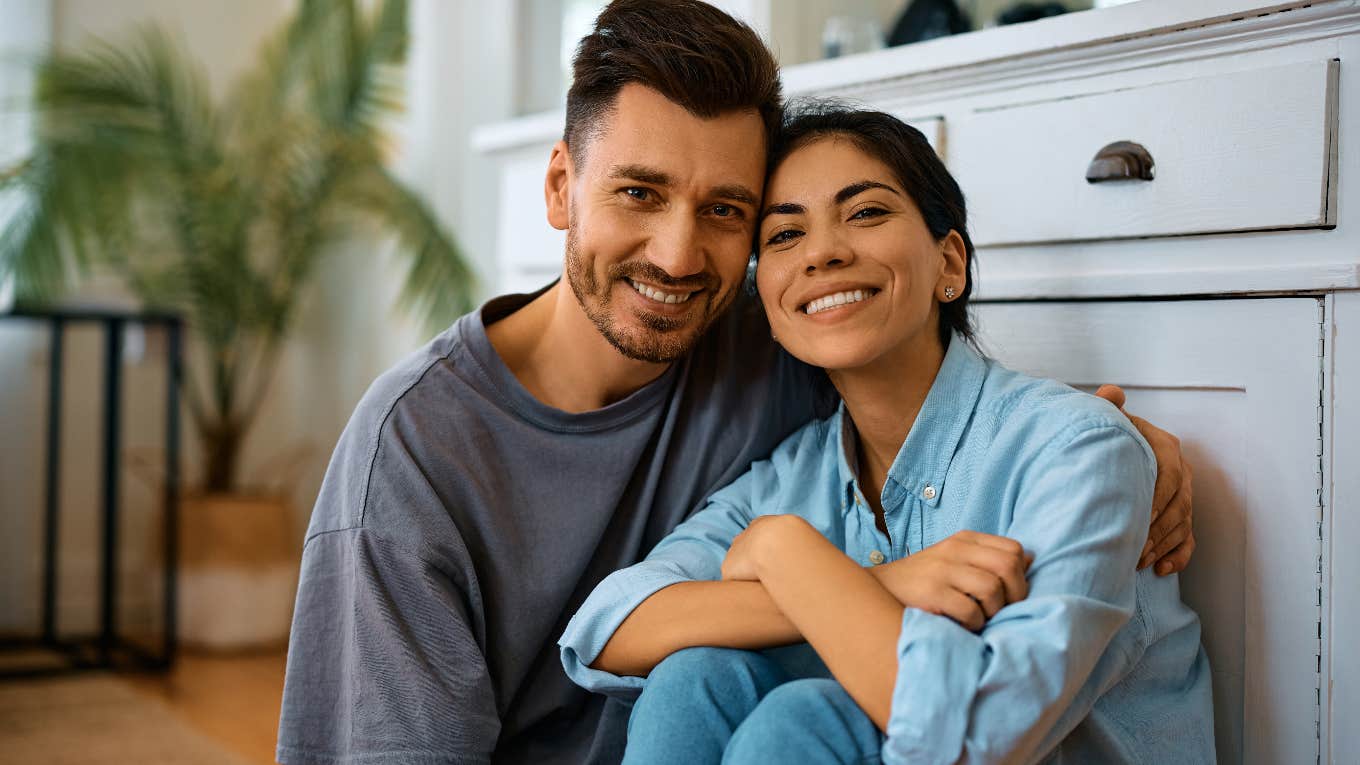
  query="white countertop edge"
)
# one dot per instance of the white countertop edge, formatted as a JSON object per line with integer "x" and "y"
{"x": 1067, "y": 32}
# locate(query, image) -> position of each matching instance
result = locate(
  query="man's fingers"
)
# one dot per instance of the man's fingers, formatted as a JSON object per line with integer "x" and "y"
{"x": 1176, "y": 560}
{"x": 1171, "y": 466}
{"x": 1171, "y": 541}
{"x": 1175, "y": 519}
{"x": 1112, "y": 393}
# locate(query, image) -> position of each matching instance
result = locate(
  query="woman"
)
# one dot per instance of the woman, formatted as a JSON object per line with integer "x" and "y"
{"x": 957, "y": 544}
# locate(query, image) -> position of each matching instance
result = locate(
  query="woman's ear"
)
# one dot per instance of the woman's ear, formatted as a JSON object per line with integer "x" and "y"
{"x": 953, "y": 265}
{"x": 557, "y": 186}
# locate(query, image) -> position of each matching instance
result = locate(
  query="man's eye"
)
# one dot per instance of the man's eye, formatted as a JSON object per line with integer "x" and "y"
{"x": 780, "y": 237}
{"x": 638, "y": 194}
{"x": 726, "y": 211}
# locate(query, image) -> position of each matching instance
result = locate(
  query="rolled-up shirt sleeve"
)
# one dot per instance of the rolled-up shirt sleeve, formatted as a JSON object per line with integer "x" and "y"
{"x": 694, "y": 551}
{"x": 1013, "y": 691}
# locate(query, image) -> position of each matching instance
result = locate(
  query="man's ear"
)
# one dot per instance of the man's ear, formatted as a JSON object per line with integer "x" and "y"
{"x": 557, "y": 186}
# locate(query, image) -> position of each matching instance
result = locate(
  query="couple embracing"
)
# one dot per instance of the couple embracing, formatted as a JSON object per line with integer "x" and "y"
{"x": 645, "y": 515}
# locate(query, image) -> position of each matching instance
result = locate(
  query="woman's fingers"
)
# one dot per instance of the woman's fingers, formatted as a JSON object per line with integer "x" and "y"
{"x": 984, "y": 587}
{"x": 961, "y": 608}
{"x": 1007, "y": 562}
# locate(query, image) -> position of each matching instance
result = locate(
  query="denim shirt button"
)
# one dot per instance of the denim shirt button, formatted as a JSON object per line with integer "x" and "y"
{"x": 875, "y": 557}
{"x": 928, "y": 492}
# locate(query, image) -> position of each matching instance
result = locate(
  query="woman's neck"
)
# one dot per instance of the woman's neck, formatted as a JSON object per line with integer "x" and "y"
{"x": 883, "y": 399}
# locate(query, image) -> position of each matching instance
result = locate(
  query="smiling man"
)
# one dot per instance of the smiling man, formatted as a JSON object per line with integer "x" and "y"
{"x": 487, "y": 483}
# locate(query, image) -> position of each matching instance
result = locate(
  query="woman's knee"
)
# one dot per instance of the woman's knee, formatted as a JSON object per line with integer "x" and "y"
{"x": 714, "y": 667}
{"x": 812, "y": 720}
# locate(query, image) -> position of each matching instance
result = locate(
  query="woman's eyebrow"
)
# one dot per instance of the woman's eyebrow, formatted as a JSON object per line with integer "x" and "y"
{"x": 859, "y": 188}
{"x": 783, "y": 208}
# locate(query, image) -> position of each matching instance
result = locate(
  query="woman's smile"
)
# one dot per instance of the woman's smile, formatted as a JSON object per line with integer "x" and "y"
{"x": 836, "y": 301}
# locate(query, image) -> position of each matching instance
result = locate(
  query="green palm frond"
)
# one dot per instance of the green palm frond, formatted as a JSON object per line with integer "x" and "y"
{"x": 223, "y": 211}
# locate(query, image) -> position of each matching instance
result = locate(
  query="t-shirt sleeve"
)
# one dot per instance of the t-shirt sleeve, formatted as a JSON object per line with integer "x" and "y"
{"x": 382, "y": 664}
{"x": 385, "y": 659}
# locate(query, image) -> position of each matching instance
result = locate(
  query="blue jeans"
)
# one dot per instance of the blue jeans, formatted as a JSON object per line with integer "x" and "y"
{"x": 711, "y": 705}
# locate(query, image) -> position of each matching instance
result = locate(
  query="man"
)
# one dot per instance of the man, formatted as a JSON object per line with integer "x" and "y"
{"x": 487, "y": 483}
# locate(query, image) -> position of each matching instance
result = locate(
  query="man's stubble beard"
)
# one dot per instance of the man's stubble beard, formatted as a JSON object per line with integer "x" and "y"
{"x": 664, "y": 343}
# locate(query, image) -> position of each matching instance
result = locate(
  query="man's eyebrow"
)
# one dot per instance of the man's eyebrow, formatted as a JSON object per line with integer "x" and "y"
{"x": 783, "y": 208}
{"x": 736, "y": 193}
{"x": 640, "y": 173}
{"x": 859, "y": 188}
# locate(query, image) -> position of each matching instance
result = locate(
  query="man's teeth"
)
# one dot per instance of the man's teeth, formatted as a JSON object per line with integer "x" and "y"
{"x": 840, "y": 298}
{"x": 658, "y": 295}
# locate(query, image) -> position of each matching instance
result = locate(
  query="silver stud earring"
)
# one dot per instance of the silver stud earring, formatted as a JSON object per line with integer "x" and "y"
{"x": 949, "y": 292}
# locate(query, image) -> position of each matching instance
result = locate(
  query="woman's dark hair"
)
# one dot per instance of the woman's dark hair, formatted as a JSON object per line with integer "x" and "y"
{"x": 915, "y": 164}
{"x": 689, "y": 51}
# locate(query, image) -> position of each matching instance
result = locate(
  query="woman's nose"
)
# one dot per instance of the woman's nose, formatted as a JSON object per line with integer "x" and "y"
{"x": 826, "y": 251}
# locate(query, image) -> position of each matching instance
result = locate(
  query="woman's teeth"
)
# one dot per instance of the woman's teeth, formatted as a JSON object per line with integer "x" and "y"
{"x": 840, "y": 298}
{"x": 658, "y": 295}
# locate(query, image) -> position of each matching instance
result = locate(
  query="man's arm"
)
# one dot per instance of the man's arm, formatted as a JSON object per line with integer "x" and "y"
{"x": 383, "y": 665}
{"x": 1171, "y": 537}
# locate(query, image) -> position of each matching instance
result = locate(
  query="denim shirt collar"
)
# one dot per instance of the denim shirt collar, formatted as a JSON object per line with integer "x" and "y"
{"x": 921, "y": 464}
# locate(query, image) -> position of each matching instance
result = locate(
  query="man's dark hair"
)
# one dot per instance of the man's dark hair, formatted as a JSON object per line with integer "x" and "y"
{"x": 918, "y": 168}
{"x": 688, "y": 51}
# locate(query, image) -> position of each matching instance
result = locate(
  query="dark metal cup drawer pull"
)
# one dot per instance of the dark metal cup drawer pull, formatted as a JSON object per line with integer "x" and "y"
{"x": 1121, "y": 161}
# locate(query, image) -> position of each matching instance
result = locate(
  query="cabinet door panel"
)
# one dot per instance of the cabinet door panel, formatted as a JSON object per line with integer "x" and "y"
{"x": 1238, "y": 382}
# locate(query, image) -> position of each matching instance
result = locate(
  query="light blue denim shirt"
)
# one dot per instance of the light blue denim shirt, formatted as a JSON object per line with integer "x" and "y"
{"x": 1099, "y": 664}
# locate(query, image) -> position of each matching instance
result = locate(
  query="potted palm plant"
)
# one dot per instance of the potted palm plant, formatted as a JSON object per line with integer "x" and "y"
{"x": 223, "y": 212}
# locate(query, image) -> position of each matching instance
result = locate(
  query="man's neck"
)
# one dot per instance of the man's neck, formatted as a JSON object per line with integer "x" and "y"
{"x": 560, "y": 357}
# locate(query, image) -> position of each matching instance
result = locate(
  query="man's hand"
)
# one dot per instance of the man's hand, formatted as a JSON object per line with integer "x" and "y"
{"x": 967, "y": 577}
{"x": 1171, "y": 539}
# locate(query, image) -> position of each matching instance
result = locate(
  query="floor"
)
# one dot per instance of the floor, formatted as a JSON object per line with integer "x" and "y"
{"x": 233, "y": 700}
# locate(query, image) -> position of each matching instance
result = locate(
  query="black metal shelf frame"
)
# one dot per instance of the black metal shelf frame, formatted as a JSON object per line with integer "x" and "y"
{"x": 108, "y": 648}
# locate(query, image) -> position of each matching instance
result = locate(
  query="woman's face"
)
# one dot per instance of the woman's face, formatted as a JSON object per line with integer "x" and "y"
{"x": 848, "y": 272}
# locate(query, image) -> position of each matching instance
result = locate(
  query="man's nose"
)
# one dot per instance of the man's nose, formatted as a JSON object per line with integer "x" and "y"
{"x": 675, "y": 247}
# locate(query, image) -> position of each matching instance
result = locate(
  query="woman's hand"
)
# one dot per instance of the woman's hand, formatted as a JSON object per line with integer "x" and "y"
{"x": 967, "y": 577}
{"x": 1171, "y": 539}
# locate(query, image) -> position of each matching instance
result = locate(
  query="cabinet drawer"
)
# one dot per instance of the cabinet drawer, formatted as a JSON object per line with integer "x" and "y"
{"x": 1244, "y": 151}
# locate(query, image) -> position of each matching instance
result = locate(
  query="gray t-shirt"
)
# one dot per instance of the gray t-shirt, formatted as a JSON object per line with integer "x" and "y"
{"x": 462, "y": 522}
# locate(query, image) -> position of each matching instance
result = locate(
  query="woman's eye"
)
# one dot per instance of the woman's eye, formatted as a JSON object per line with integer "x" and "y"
{"x": 780, "y": 237}
{"x": 868, "y": 212}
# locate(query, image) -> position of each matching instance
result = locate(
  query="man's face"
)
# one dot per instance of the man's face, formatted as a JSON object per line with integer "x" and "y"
{"x": 660, "y": 219}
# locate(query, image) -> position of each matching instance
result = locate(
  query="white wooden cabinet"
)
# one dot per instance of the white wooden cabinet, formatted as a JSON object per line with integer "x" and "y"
{"x": 1224, "y": 294}
{"x": 1239, "y": 382}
